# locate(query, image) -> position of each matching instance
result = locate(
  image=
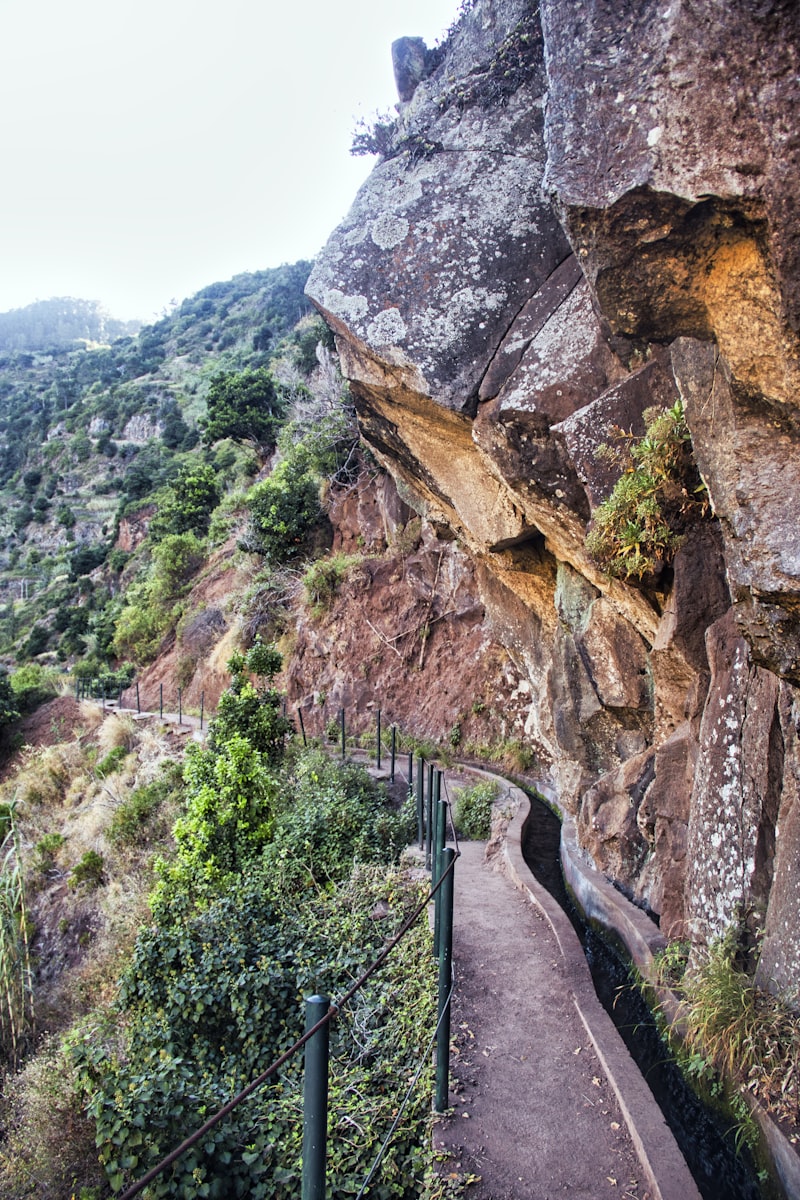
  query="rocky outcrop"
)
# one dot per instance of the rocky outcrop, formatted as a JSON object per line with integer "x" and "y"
{"x": 585, "y": 211}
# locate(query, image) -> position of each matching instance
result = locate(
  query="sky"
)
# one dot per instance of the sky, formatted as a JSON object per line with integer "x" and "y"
{"x": 150, "y": 148}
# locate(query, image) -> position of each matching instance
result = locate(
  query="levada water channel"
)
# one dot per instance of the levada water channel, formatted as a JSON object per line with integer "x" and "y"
{"x": 704, "y": 1136}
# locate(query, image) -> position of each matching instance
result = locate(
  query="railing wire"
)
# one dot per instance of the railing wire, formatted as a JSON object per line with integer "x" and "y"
{"x": 401, "y": 1109}
{"x": 256, "y": 1083}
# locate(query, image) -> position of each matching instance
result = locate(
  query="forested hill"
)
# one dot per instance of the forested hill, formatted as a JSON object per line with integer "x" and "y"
{"x": 89, "y": 435}
{"x": 60, "y": 323}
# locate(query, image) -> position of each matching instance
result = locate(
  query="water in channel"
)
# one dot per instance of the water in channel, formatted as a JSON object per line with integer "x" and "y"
{"x": 702, "y": 1135}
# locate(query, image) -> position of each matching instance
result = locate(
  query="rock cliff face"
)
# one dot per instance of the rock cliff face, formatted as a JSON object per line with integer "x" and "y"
{"x": 586, "y": 210}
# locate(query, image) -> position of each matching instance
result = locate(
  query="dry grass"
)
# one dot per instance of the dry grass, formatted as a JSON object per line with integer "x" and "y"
{"x": 117, "y": 729}
{"x": 49, "y": 1145}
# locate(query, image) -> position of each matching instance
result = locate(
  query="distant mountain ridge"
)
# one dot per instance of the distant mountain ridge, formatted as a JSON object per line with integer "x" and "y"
{"x": 60, "y": 322}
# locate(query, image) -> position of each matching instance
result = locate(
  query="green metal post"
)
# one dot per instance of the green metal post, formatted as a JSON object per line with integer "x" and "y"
{"x": 440, "y": 828}
{"x": 394, "y": 754}
{"x": 445, "y": 976}
{"x": 203, "y": 705}
{"x": 315, "y": 1100}
{"x": 378, "y": 747}
{"x": 430, "y": 813}
{"x": 138, "y": 702}
{"x": 161, "y": 701}
{"x": 302, "y": 725}
{"x": 180, "y": 706}
{"x": 103, "y": 693}
{"x": 344, "y": 738}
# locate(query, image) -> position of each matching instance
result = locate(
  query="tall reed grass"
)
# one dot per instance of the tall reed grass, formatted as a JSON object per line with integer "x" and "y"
{"x": 16, "y": 982}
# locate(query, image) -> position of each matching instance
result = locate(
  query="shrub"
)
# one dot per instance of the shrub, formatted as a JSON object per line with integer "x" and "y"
{"x": 192, "y": 497}
{"x": 49, "y": 1142}
{"x": 338, "y": 814}
{"x": 133, "y": 822}
{"x": 323, "y": 579}
{"x": 210, "y": 1001}
{"x": 473, "y": 811}
{"x": 46, "y": 850}
{"x": 32, "y": 685}
{"x": 112, "y": 762}
{"x": 88, "y": 871}
{"x": 241, "y": 406}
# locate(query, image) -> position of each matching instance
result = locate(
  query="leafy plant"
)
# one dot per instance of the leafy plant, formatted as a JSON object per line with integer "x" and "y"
{"x": 324, "y": 577}
{"x": 283, "y": 511}
{"x": 473, "y": 808}
{"x": 133, "y": 819}
{"x": 88, "y": 872}
{"x": 111, "y": 762}
{"x": 46, "y": 850}
{"x": 243, "y": 405}
{"x": 636, "y": 531}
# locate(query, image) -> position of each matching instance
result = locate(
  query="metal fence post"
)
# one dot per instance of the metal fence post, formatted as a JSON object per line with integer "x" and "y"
{"x": 203, "y": 705}
{"x": 430, "y": 813}
{"x": 138, "y": 702}
{"x": 445, "y": 977}
{"x": 394, "y": 754}
{"x": 344, "y": 738}
{"x": 315, "y": 1100}
{"x": 161, "y": 701}
{"x": 302, "y": 725}
{"x": 103, "y": 692}
{"x": 378, "y": 747}
{"x": 440, "y": 828}
{"x": 180, "y": 706}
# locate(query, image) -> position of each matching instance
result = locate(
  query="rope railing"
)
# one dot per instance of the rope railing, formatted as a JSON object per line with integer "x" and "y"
{"x": 434, "y": 815}
{"x": 256, "y": 1083}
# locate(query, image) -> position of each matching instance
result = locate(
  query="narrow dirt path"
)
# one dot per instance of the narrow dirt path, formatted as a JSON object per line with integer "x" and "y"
{"x": 533, "y": 1113}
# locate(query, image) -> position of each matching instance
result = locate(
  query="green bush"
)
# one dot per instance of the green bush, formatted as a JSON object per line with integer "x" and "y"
{"x": 210, "y": 1001}
{"x": 191, "y": 499}
{"x": 323, "y": 579}
{"x": 46, "y": 850}
{"x": 89, "y": 871}
{"x": 133, "y": 822}
{"x": 32, "y": 684}
{"x": 339, "y": 814}
{"x": 112, "y": 762}
{"x": 243, "y": 406}
{"x": 472, "y": 811}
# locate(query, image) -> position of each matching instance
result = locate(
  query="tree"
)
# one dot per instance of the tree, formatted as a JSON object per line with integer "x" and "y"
{"x": 283, "y": 511}
{"x": 8, "y": 702}
{"x": 243, "y": 406}
{"x": 194, "y": 494}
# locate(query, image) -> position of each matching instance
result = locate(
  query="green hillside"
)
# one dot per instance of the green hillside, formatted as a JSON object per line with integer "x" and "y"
{"x": 92, "y": 436}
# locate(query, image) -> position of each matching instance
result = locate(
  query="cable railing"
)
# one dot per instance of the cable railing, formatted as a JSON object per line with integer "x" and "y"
{"x": 434, "y": 814}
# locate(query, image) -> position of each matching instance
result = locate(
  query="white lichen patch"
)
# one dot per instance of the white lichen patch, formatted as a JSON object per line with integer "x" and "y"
{"x": 389, "y": 231}
{"x": 387, "y": 329}
{"x": 348, "y": 308}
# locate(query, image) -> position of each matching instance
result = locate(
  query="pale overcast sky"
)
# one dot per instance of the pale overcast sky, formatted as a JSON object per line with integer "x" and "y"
{"x": 151, "y": 147}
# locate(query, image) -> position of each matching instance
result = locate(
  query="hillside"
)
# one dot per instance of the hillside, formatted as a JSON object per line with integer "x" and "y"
{"x": 525, "y": 480}
{"x": 88, "y": 436}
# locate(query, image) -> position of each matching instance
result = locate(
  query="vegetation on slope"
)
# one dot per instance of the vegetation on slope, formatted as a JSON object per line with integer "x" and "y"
{"x": 277, "y": 882}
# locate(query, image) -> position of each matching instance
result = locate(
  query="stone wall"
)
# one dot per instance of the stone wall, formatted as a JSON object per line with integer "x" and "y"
{"x": 587, "y": 210}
